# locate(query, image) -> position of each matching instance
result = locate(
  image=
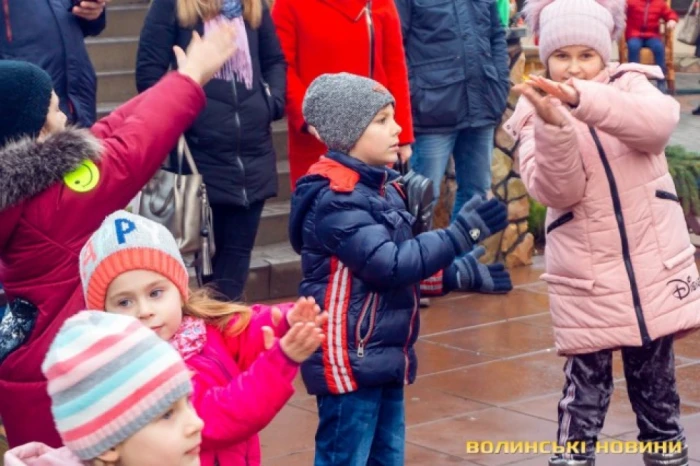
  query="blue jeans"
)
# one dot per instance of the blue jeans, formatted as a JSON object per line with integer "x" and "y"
{"x": 472, "y": 150}
{"x": 365, "y": 427}
{"x": 635, "y": 45}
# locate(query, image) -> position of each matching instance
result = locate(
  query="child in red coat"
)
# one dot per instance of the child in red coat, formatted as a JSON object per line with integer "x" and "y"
{"x": 58, "y": 185}
{"x": 643, "y": 30}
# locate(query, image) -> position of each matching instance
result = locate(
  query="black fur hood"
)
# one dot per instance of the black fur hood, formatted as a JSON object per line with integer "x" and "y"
{"x": 28, "y": 167}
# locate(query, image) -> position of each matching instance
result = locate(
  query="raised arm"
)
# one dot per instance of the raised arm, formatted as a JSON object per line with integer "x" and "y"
{"x": 640, "y": 116}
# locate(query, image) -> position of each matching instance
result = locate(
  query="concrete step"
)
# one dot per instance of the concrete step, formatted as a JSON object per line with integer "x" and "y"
{"x": 275, "y": 272}
{"x": 279, "y": 139}
{"x": 115, "y": 86}
{"x": 284, "y": 192}
{"x": 112, "y": 54}
{"x": 125, "y": 19}
{"x": 274, "y": 223}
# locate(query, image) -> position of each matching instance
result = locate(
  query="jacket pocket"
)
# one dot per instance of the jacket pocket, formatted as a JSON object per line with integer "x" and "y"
{"x": 576, "y": 283}
{"x": 564, "y": 219}
{"x": 438, "y": 94}
{"x": 269, "y": 100}
{"x": 365, "y": 323}
{"x": 669, "y": 224}
{"x": 496, "y": 91}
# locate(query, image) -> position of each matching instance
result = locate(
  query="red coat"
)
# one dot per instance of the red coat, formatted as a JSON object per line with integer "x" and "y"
{"x": 643, "y": 17}
{"x": 41, "y": 235}
{"x": 332, "y": 36}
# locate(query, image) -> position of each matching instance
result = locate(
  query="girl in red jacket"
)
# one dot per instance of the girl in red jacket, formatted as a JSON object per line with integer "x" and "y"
{"x": 357, "y": 36}
{"x": 58, "y": 185}
{"x": 242, "y": 376}
{"x": 643, "y": 30}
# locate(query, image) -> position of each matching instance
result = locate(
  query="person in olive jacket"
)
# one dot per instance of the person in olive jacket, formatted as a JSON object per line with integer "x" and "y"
{"x": 231, "y": 141}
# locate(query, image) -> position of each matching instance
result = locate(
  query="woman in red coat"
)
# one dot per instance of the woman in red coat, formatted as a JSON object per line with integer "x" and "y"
{"x": 331, "y": 36}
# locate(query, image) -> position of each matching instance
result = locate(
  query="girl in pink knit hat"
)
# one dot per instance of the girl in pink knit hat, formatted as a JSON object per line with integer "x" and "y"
{"x": 619, "y": 262}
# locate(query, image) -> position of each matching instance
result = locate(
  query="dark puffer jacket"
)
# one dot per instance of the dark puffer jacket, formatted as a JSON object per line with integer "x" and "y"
{"x": 46, "y": 33}
{"x": 361, "y": 263}
{"x": 457, "y": 61}
{"x": 231, "y": 141}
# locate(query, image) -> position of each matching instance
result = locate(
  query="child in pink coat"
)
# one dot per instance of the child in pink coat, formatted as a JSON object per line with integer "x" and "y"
{"x": 243, "y": 374}
{"x": 619, "y": 262}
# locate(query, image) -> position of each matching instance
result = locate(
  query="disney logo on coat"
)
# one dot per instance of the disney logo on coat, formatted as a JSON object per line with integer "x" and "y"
{"x": 683, "y": 288}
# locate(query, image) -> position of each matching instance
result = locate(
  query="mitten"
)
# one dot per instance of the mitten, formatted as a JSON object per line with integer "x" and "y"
{"x": 468, "y": 274}
{"x": 476, "y": 221}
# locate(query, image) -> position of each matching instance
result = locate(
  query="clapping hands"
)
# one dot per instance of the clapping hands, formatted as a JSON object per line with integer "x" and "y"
{"x": 305, "y": 335}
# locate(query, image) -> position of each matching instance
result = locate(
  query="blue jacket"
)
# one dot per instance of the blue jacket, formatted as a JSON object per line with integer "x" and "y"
{"x": 45, "y": 33}
{"x": 457, "y": 61}
{"x": 361, "y": 263}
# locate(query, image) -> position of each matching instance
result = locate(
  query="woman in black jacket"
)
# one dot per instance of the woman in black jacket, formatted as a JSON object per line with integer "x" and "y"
{"x": 231, "y": 141}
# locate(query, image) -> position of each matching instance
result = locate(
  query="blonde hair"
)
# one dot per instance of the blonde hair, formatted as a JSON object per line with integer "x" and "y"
{"x": 189, "y": 12}
{"x": 203, "y": 305}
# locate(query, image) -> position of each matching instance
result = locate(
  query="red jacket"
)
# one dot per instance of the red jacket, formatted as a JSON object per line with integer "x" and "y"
{"x": 44, "y": 224}
{"x": 643, "y": 17}
{"x": 332, "y": 36}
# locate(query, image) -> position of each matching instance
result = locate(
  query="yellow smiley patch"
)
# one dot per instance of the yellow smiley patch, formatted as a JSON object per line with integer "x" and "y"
{"x": 84, "y": 178}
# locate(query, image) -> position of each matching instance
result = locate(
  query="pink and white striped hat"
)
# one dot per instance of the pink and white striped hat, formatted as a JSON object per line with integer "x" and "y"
{"x": 108, "y": 377}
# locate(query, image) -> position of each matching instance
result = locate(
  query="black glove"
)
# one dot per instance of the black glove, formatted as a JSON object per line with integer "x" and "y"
{"x": 476, "y": 221}
{"x": 468, "y": 274}
{"x": 16, "y": 325}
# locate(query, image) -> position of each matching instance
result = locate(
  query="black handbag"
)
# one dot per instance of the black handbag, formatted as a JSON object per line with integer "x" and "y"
{"x": 417, "y": 191}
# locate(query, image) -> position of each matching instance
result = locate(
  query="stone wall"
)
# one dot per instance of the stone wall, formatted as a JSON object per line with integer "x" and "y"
{"x": 515, "y": 245}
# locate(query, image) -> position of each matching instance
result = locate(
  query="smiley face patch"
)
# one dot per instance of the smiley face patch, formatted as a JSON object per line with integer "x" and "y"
{"x": 84, "y": 178}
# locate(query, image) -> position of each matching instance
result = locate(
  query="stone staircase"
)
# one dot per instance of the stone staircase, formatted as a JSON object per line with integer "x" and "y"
{"x": 275, "y": 269}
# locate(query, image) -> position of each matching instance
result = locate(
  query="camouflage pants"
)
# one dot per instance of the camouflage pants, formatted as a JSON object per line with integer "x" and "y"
{"x": 651, "y": 386}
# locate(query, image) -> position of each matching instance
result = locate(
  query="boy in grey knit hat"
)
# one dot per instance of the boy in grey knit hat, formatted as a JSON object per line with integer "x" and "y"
{"x": 350, "y": 224}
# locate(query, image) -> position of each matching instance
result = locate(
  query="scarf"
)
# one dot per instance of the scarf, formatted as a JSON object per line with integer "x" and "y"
{"x": 239, "y": 67}
{"x": 190, "y": 337}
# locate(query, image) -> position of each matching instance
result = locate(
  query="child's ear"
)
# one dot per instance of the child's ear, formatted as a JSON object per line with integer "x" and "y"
{"x": 111, "y": 456}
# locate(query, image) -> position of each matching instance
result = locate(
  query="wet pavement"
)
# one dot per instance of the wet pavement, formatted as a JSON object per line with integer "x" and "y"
{"x": 488, "y": 372}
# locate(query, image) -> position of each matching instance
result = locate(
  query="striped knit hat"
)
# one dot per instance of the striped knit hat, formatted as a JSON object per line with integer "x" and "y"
{"x": 126, "y": 242}
{"x": 108, "y": 377}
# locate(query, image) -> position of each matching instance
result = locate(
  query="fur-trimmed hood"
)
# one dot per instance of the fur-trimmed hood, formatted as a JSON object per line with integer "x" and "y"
{"x": 28, "y": 167}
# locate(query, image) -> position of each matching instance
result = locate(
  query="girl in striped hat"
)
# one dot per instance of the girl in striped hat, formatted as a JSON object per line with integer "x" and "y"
{"x": 244, "y": 359}
{"x": 119, "y": 396}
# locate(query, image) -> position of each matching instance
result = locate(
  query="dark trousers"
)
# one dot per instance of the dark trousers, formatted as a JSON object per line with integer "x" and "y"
{"x": 362, "y": 428}
{"x": 651, "y": 386}
{"x": 235, "y": 228}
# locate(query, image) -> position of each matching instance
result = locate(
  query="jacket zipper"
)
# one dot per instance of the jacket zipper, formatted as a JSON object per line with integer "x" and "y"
{"x": 237, "y": 119}
{"x": 646, "y": 15}
{"x": 410, "y": 332}
{"x": 8, "y": 24}
{"x": 623, "y": 237}
{"x": 371, "y": 306}
{"x": 567, "y": 217}
{"x": 666, "y": 195}
{"x": 370, "y": 29}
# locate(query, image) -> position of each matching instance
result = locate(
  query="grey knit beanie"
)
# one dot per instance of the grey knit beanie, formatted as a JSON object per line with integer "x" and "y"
{"x": 341, "y": 106}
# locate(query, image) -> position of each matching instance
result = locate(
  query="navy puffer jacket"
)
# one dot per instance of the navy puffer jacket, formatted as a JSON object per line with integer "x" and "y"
{"x": 457, "y": 60}
{"x": 361, "y": 263}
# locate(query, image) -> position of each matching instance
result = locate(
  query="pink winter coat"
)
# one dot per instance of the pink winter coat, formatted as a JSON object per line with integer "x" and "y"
{"x": 238, "y": 386}
{"x": 40, "y": 454}
{"x": 619, "y": 262}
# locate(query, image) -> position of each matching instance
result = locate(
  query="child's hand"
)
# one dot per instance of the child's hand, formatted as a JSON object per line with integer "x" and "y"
{"x": 306, "y": 310}
{"x": 671, "y": 25}
{"x": 205, "y": 57}
{"x": 543, "y": 105}
{"x": 561, "y": 91}
{"x": 301, "y": 341}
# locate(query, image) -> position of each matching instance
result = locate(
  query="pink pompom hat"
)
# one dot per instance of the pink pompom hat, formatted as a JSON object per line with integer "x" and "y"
{"x": 561, "y": 23}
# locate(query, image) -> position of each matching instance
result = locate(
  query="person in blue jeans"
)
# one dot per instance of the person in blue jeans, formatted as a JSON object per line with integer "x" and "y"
{"x": 458, "y": 72}
{"x": 362, "y": 264}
